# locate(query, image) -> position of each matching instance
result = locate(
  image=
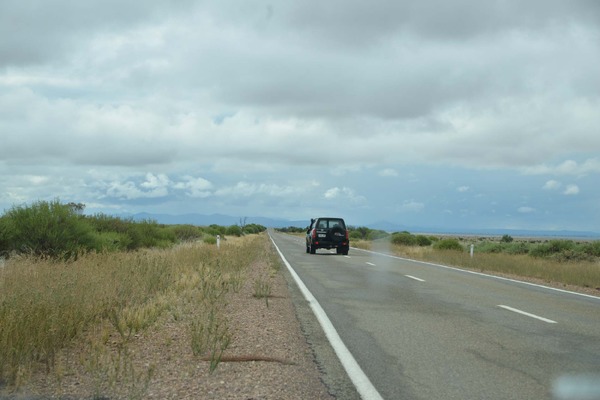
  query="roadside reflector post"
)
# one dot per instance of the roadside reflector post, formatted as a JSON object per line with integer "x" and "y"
{"x": 472, "y": 247}
{"x": 218, "y": 241}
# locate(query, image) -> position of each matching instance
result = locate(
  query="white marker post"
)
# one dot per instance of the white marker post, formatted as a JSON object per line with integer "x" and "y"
{"x": 218, "y": 241}
{"x": 472, "y": 247}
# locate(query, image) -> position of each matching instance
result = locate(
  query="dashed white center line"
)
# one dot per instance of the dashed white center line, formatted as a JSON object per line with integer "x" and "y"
{"x": 527, "y": 314}
{"x": 415, "y": 278}
{"x": 370, "y": 264}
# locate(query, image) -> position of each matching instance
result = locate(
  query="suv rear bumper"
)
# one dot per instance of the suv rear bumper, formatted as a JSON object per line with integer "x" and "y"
{"x": 322, "y": 244}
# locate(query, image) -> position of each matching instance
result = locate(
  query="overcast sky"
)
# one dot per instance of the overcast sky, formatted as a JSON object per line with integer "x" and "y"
{"x": 451, "y": 114}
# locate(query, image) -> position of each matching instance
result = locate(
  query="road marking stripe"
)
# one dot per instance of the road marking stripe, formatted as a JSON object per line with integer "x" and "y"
{"x": 363, "y": 385}
{"x": 370, "y": 263}
{"x": 527, "y": 314}
{"x": 415, "y": 278}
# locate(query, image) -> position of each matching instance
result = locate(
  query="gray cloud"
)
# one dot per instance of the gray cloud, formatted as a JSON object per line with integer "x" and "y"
{"x": 255, "y": 94}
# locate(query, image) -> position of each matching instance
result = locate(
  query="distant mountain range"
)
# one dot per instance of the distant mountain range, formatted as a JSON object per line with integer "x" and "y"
{"x": 227, "y": 220}
{"x": 217, "y": 219}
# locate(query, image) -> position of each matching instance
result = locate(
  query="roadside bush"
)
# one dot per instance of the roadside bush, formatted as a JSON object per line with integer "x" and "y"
{"x": 551, "y": 247}
{"x": 217, "y": 229}
{"x": 108, "y": 223}
{"x": 253, "y": 229}
{"x": 377, "y": 234}
{"x": 355, "y": 235}
{"x": 407, "y": 239}
{"x": 292, "y": 229}
{"x": 448, "y": 244}
{"x": 491, "y": 247}
{"x": 5, "y": 247}
{"x": 517, "y": 248}
{"x": 111, "y": 241}
{"x": 592, "y": 248}
{"x": 506, "y": 239}
{"x": 48, "y": 229}
{"x": 503, "y": 247}
{"x": 208, "y": 239}
{"x": 404, "y": 239}
{"x": 149, "y": 234}
{"x": 423, "y": 241}
{"x": 233, "y": 230}
{"x": 571, "y": 256}
{"x": 187, "y": 233}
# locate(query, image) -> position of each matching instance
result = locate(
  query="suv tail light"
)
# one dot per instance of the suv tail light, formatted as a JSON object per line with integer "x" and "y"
{"x": 347, "y": 234}
{"x": 314, "y": 233}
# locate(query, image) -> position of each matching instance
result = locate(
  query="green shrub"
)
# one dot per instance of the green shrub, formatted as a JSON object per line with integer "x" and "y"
{"x": 551, "y": 247}
{"x": 234, "y": 230}
{"x": 404, "y": 239}
{"x": 5, "y": 246}
{"x": 571, "y": 256}
{"x": 208, "y": 239}
{"x": 108, "y": 223}
{"x": 148, "y": 234}
{"x": 254, "y": 228}
{"x": 506, "y": 239}
{"x": 592, "y": 248}
{"x": 423, "y": 241}
{"x": 48, "y": 229}
{"x": 292, "y": 229}
{"x": 111, "y": 241}
{"x": 517, "y": 248}
{"x": 217, "y": 229}
{"x": 187, "y": 233}
{"x": 448, "y": 244}
{"x": 359, "y": 233}
{"x": 355, "y": 235}
{"x": 377, "y": 234}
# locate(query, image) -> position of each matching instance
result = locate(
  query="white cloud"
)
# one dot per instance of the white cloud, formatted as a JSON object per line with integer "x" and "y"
{"x": 155, "y": 181}
{"x": 551, "y": 185}
{"x": 462, "y": 189}
{"x": 332, "y": 193}
{"x": 388, "y": 172}
{"x": 247, "y": 189}
{"x": 129, "y": 190}
{"x": 571, "y": 190}
{"x": 344, "y": 193}
{"x": 411, "y": 206}
{"x": 568, "y": 167}
{"x": 196, "y": 187}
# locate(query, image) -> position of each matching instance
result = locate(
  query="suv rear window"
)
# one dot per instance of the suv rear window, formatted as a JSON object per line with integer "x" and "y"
{"x": 328, "y": 223}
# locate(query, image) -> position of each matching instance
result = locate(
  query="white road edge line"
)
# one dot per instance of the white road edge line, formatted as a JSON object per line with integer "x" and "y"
{"x": 369, "y": 263}
{"x": 527, "y": 314}
{"x": 415, "y": 278}
{"x": 364, "y": 386}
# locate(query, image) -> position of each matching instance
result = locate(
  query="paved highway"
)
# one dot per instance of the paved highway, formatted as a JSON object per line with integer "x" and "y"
{"x": 423, "y": 331}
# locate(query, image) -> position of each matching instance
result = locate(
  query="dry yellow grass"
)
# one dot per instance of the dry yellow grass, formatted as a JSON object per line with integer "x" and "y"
{"x": 47, "y": 305}
{"x": 585, "y": 274}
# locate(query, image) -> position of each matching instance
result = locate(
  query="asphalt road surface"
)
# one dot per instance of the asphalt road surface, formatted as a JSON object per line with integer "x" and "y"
{"x": 423, "y": 331}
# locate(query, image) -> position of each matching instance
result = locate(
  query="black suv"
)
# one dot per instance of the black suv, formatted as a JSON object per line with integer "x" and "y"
{"x": 327, "y": 233}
